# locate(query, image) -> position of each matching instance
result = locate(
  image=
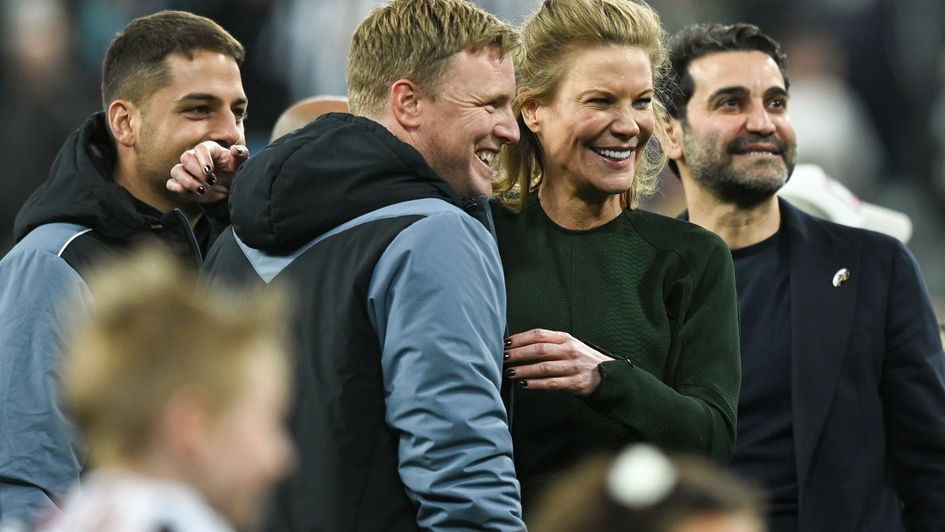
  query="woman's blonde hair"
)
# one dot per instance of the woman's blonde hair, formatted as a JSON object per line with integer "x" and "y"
{"x": 549, "y": 39}
{"x": 151, "y": 334}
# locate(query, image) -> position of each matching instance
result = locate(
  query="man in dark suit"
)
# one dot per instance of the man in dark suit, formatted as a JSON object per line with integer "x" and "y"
{"x": 842, "y": 412}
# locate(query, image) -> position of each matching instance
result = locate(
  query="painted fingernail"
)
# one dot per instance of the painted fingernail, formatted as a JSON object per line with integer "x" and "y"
{"x": 201, "y": 190}
{"x": 207, "y": 169}
{"x": 212, "y": 179}
{"x": 523, "y": 384}
{"x": 505, "y": 356}
{"x": 510, "y": 372}
{"x": 508, "y": 342}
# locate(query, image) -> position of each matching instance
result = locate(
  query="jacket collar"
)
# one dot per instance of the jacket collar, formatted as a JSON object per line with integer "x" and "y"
{"x": 821, "y": 323}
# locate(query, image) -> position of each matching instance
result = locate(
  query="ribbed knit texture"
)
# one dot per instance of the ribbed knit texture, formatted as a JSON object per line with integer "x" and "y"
{"x": 655, "y": 292}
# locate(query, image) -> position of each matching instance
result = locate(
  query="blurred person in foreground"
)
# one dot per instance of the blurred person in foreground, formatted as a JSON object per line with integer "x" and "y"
{"x": 642, "y": 490}
{"x": 380, "y": 222}
{"x": 304, "y": 111}
{"x": 625, "y": 322}
{"x": 170, "y": 81}
{"x": 181, "y": 395}
{"x": 842, "y": 410}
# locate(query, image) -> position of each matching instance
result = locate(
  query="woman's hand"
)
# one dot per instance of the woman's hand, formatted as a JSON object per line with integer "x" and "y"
{"x": 552, "y": 360}
{"x": 205, "y": 172}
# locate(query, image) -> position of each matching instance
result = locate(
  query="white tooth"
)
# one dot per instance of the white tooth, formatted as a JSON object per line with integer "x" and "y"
{"x": 614, "y": 154}
{"x": 486, "y": 157}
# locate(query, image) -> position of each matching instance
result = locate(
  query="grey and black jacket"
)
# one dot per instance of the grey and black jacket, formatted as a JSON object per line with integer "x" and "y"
{"x": 75, "y": 220}
{"x": 397, "y": 415}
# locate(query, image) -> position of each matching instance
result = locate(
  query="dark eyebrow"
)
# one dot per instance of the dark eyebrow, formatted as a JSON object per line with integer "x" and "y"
{"x": 776, "y": 91}
{"x": 730, "y": 91}
{"x": 209, "y": 98}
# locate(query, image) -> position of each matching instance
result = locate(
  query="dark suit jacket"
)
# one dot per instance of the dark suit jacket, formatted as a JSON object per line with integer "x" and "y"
{"x": 868, "y": 380}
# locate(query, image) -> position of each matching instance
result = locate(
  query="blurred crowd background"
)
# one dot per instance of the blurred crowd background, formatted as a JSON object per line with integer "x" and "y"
{"x": 867, "y": 84}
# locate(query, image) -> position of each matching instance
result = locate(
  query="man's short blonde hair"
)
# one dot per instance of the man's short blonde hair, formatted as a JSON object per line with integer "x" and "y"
{"x": 414, "y": 39}
{"x": 151, "y": 335}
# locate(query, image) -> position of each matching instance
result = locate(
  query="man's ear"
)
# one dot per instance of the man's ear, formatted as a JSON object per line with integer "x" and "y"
{"x": 531, "y": 115}
{"x": 674, "y": 130}
{"x": 123, "y": 120}
{"x": 406, "y": 101}
{"x": 184, "y": 423}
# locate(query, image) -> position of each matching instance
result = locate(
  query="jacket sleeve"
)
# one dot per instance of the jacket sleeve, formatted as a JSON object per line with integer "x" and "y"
{"x": 38, "y": 460}
{"x": 913, "y": 391}
{"x": 696, "y": 412}
{"x": 437, "y": 300}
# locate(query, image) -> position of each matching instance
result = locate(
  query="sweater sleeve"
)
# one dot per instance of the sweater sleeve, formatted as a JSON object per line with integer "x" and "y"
{"x": 437, "y": 300}
{"x": 696, "y": 412}
{"x": 38, "y": 460}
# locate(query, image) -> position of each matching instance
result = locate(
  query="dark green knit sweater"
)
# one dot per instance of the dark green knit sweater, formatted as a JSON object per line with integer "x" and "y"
{"x": 658, "y": 294}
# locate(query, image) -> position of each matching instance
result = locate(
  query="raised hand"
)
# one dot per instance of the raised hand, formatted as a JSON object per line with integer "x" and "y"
{"x": 206, "y": 171}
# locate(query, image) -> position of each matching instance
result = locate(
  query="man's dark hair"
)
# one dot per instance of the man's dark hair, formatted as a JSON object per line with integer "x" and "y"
{"x": 697, "y": 40}
{"x": 135, "y": 64}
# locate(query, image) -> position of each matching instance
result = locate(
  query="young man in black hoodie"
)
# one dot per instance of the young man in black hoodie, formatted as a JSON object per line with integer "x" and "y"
{"x": 170, "y": 81}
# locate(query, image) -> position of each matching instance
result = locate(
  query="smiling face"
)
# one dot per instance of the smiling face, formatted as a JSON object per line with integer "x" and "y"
{"x": 737, "y": 141}
{"x": 594, "y": 131}
{"x": 467, "y": 118}
{"x": 203, "y": 100}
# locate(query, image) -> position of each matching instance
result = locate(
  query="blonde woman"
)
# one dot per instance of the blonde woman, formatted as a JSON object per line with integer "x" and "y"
{"x": 625, "y": 323}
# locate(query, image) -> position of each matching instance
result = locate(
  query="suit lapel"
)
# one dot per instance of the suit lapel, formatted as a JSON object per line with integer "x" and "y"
{"x": 821, "y": 321}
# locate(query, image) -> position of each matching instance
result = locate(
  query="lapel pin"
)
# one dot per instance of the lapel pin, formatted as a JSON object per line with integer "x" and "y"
{"x": 841, "y": 277}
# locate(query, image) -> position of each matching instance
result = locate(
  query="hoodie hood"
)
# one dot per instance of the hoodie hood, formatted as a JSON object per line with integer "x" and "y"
{"x": 334, "y": 169}
{"x": 80, "y": 189}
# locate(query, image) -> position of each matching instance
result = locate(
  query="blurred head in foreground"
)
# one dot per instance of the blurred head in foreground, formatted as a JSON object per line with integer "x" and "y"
{"x": 182, "y": 385}
{"x": 642, "y": 490}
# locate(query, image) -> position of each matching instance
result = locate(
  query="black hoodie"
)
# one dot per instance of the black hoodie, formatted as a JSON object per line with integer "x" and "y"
{"x": 397, "y": 416}
{"x": 80, "y": 190}
{"x": 336, "y": 169}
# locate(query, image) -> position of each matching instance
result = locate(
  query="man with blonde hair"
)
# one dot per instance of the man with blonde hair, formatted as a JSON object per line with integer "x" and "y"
{"x": 181, "y": 395}
{"x": 380, "y": 222}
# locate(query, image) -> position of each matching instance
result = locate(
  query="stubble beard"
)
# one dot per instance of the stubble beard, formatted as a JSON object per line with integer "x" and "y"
{"x": 714, "y": 170}
{"x": 156, "y": 171}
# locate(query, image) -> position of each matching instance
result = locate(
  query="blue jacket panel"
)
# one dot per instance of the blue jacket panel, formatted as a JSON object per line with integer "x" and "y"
{"x": 437, "y": 301}
{"x": 38, "y": 457}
